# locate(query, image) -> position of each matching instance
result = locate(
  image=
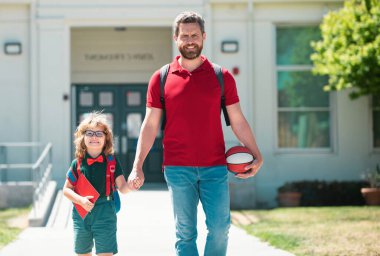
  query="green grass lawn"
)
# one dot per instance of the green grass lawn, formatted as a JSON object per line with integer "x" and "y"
{"x": 8, "y": 231}
{"x": 316, "y": 231}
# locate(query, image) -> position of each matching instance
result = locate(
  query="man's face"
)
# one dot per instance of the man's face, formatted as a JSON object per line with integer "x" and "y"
{"x": 190, "y": 40}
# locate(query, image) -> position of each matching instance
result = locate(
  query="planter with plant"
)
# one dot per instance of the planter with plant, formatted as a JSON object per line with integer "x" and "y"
{"x": 288, "y": 195}
{"x": 371, "y": 194}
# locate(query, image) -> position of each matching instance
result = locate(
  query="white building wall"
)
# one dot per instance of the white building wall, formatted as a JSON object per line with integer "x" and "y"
{"x": 152, "y": 43}
{"x": 231, "y": 22}
{"x": 14, "y": 74}
{"x": 53, "y": 82}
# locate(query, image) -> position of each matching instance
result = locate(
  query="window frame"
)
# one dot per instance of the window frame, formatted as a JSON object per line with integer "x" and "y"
{"x": 332, "y": 149}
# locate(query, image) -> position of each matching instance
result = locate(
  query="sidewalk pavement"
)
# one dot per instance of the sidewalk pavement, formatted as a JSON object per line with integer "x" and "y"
{"x": 145, "y": 228}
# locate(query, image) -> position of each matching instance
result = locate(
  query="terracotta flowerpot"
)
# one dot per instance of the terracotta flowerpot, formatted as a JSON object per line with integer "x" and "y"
{"x": 289, "y": 199}
{"x": 371, "y": 195}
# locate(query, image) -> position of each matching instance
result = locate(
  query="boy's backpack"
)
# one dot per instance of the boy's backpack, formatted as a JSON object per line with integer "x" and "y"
{"x": 219, "y": 74}
{"x": 110, "y": 180}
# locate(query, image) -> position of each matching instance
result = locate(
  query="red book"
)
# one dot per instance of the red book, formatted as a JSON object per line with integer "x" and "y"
{"x": 85, "y": 188}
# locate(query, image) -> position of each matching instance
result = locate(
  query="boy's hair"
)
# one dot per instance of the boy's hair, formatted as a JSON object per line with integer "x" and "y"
{"x": 188, "y": 17}
{"x": 94, "y": 119}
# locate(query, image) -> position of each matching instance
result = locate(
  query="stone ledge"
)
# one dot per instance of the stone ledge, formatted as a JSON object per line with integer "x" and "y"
{"x": 16, "y": 194}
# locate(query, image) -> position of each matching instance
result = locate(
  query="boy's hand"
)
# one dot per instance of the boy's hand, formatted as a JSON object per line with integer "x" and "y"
{"x": 86, "y": 203}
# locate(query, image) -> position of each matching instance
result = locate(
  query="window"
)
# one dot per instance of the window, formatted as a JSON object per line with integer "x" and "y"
{"x": 105, "y": 99}
{"x": 86, "y": 99}
{"x": 134, "y": 122}
{"x": 304, "y": 118}
{"x": 133, "y": 98}
{"x": 376, "y": 121}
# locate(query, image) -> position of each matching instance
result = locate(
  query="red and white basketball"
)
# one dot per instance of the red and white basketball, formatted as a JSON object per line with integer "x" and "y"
{"x": 237, "y": 158}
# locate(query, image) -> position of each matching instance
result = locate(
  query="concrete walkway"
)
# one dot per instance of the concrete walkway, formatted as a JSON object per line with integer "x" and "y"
{"x": 145, "y": 228}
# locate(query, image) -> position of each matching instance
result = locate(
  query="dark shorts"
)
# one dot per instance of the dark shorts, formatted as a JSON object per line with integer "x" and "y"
{"x": 99, "y": 225}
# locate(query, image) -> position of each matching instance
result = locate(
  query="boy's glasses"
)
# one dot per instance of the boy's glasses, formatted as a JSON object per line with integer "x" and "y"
{"x": 90, "y": 133}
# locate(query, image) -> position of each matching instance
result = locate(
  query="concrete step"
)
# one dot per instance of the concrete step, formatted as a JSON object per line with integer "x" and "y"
{"x": 42, "y": 208}
{"x": 61, "y": 212}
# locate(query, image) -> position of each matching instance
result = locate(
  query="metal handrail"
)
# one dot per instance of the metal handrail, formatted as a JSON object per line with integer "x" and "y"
{"x": 42, "y": 156}
{"x": 16, "y": 166}
{"x": 20, "y": 144}
{"x": 41, "y": 169}
{"x": 17, "y": 145}
{"x": 41, "y": 186}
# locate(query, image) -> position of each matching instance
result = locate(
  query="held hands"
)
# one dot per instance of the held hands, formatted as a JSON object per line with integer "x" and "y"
{"x": 86, "y": 203}
{"x": 136, "y": 178}
{"x": 252, "y": 169}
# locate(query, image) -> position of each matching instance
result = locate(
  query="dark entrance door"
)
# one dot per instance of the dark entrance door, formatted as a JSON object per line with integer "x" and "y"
{"x": 124, "y": 106}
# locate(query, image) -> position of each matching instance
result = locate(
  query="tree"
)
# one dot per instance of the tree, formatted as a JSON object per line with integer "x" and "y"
{"x": 349, "y": 51}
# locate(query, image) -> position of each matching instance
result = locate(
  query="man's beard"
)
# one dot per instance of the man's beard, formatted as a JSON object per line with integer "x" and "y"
{"x": 191, "y": 54}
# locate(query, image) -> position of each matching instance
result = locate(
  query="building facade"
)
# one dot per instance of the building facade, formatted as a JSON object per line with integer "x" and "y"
{"x": 61, "y": 60}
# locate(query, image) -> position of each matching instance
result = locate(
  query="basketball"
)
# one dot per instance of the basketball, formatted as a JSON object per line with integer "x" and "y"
{"x": 237, "y": 158}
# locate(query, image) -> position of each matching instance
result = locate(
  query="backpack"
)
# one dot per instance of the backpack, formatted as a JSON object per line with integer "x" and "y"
{"x": 164, "y": 70}
{"x": 110, "y": 180}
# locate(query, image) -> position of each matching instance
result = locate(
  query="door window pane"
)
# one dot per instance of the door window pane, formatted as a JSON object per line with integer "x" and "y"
{"x": 304, "y": 129}
{"x": 133, "y": 98}
{"x": 293, "y": 44}
{"x": 86, "y": 99}
{"x": 301, "y": 89}
{"x": 109, "y": 118}
{"x": 134, "y": 122}
{"x": 83, "y": 116}
{"x": 105, "y": 98}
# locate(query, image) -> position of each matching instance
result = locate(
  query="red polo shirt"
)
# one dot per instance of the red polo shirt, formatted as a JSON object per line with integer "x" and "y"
{"x": 193, "y": 131}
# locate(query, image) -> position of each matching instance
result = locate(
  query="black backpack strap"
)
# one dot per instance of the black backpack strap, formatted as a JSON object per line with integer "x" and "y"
{"x": 163, "y": 75}
{"x": 219, "y": 75}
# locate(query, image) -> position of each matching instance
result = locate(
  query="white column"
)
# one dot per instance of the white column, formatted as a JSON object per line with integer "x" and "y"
{"x": 54, "y": 82}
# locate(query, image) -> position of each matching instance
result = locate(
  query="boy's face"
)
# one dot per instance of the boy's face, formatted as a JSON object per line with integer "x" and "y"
{"x": 190, "y": 40}
{"x": 94, "y": 139}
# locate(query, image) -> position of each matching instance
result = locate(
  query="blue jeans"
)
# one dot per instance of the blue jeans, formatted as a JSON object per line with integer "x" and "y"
{"x": 188, "y": 185}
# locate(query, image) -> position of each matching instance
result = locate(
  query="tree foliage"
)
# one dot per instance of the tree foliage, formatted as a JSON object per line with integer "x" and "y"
{"x": 349, "y": 51}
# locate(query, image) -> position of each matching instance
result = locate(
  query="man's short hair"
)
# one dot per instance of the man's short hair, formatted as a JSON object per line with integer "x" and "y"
{"x": 188, "y": 17}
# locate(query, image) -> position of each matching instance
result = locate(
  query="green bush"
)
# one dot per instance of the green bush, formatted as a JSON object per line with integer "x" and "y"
{"x": 329, "y": 193}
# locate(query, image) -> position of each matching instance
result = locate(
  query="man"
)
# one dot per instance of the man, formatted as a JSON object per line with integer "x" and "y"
{"x": 194, "y": 150}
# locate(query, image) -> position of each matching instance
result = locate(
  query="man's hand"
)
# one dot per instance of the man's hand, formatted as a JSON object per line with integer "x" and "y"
{"x": 252, "y": 169}
{"x": 136, "y": 178}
